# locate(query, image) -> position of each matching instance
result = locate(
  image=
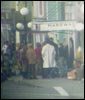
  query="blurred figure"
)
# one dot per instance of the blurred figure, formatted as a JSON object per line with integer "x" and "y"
{"x": 3, "y": 72}
{"x": 31, "y": 58}
{"x": 56, "y": 48}
{"x": 78, "y": 69}
{"x": 61, "y": 50}
{"x": 71, "y": 54}
{"x": 65, "y": 49}
{"x": 6, "y": 50}
{"x": 23, "y": 61}
{"x": 38, "y": 58}
{"x": 4, "y": 47}
{"x": 65, "y": 52}
{"x": 48, "y": 55}
{"x": 56, "y": 55}
{"x": 79, "y": 56}
{"x": 61, "y": 61}
{"x": 79, "y": 53}
{"x": 18, "y": 61}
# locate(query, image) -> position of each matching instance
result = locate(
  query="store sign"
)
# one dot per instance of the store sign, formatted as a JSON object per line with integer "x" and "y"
{"x": 53, "y": 26}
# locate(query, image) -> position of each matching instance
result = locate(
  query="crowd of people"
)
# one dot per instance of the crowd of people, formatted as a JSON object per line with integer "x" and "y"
{"x": 7, "y": 59}
{"x": 43, "y": 59}
{"x": 48, "y": 59}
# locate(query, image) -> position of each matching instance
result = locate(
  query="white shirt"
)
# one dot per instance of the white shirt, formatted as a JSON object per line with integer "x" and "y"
{"x": 48, "y": 55}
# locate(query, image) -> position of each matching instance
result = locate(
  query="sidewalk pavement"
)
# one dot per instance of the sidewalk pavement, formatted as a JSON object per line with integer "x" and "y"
{"x": 44, "y": 82}
{"x": 73, "y": 87}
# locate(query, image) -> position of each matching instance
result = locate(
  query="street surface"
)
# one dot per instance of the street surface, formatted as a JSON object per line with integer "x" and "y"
{"x": 58, "y": 88}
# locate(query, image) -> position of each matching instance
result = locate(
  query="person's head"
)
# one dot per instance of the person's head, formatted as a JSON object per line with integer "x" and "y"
{"x": 38, "y": 44}
{"x": 29, "y": 45}
{"x": 51, "y": 39}
{"x": 47, "y": 40}
{"x": 6, "y": 42}
{"x": 43, "y": 44}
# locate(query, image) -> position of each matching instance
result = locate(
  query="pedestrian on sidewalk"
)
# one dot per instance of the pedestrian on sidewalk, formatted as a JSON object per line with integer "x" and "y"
{"x": 23, "y": 61}
{"x": 48, "y": 55}
{"x": 31, "y": 58}
{"x": 78, "y": 69}
{"x": 38, "y": 58}
{"x": 6, "y": 50}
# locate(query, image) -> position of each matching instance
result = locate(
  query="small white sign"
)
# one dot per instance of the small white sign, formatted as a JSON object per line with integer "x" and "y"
{"x": 58, "y": 26}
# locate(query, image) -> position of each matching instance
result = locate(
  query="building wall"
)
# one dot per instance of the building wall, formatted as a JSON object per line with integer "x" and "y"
{"x": 54, "y": 10}
{"x": 39, "y": 15}
{"x": 70, "y": 10}
{"x": 73, "y": 12}
{"x": 39, "y": 11}
{"x": 51, "y": 11}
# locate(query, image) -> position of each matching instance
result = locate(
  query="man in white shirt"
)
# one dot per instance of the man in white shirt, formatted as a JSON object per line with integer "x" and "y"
{"x": 48, "y": 55}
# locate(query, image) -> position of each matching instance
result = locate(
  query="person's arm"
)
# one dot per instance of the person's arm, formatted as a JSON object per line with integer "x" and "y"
{"x": 42, "y": 52}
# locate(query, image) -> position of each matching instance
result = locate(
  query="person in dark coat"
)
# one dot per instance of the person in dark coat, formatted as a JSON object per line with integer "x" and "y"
{"x": 71, "y": 54}
{"x": 56, "y": 48}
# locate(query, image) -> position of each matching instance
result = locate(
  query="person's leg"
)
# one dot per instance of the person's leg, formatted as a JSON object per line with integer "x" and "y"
{"x": 37, "y": 68}
{"x": 79, "y": 74}
{"x": 34, "y": 71}
{"x": 30, "y": 70}
{"x": 44, "y": 72}
{"x": 24, "y": 70}
{"x": 40, "y": 67}
{"x": 53, "y": 72}
{"x": 3, "y": 76}
{"x": 47, "y": 72}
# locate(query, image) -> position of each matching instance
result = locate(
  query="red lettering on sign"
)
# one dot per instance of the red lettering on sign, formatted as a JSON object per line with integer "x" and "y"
{"x": 40, "y": 7}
